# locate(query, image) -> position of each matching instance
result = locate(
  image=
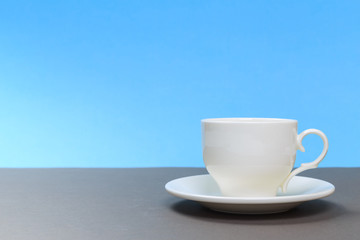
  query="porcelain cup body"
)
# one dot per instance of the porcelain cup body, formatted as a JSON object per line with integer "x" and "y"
{"x": 249, "y": 157}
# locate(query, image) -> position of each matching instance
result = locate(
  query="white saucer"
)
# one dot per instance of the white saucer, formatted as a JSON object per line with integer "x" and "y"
{"x": 203, "y": 189}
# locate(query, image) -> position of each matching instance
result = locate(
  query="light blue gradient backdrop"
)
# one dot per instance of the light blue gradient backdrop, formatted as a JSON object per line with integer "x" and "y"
{"x": 126, "y": 83}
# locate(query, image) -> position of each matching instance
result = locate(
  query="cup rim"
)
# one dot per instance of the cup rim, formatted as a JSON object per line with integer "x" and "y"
{"x": 247, "y": 120}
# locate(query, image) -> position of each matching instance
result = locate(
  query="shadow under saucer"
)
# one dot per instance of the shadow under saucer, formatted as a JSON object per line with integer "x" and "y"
{"x": 311, "y": 211}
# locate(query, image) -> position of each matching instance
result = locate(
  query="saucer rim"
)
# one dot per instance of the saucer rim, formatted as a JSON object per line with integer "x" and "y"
{"x": 330, "y": 188}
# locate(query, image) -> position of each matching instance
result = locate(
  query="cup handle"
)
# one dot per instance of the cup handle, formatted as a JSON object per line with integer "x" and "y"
{"x": 310, "y": 165}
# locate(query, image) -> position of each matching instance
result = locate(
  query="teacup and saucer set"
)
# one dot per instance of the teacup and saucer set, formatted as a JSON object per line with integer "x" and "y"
{"x": 250, "y": 162}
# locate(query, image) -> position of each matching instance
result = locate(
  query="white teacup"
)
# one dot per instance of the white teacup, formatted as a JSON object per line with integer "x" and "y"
{"x": 253, "y": 157}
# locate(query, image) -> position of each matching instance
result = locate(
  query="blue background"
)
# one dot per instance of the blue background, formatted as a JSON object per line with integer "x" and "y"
{"x": 126, "y": 83}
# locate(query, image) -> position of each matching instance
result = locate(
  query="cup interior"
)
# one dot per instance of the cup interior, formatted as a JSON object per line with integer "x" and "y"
{"x": 248, "y": 120}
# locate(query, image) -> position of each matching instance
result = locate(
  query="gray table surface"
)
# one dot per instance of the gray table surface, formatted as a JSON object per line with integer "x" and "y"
{"x": 133, "y": 204}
